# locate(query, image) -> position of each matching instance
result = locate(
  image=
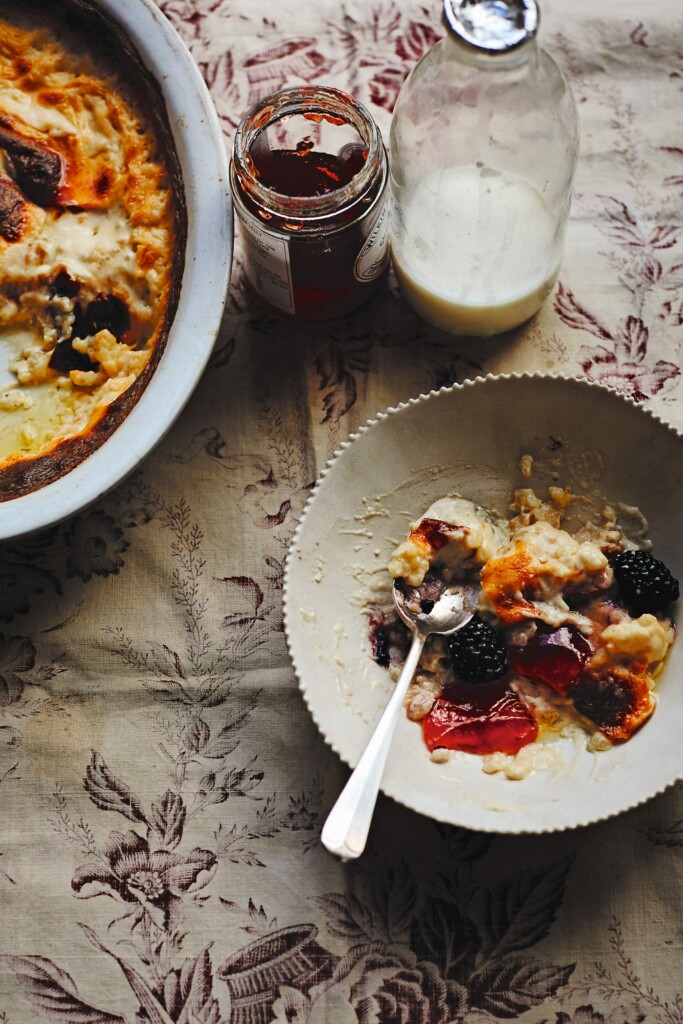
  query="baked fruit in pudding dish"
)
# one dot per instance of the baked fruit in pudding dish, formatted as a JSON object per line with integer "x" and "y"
{"x": 572, "y": 630}
{"x": 92, "y": 231}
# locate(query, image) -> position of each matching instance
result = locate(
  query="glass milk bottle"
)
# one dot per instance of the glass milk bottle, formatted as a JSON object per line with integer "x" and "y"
{"x": 483, "y": 151}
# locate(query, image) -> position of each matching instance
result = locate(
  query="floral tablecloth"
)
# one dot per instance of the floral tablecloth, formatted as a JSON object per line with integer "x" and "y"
{"x": 161, "y": 785}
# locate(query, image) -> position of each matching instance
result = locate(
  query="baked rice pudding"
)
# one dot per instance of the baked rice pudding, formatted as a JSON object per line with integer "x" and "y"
{"x": 91, "y": 236}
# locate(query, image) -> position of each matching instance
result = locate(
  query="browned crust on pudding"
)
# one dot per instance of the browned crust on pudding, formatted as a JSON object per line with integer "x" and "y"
{"x": 38, "y": 176}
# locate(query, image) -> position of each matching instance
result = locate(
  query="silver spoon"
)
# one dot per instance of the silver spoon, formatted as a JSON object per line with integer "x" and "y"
{"x": 346, "y": 830}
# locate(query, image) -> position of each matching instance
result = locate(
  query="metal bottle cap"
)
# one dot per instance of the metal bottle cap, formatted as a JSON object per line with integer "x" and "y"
{"x": 491, "y": 26}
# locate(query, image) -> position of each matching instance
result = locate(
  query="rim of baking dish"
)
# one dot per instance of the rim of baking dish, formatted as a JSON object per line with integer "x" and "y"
{"x": 201, "y": 152}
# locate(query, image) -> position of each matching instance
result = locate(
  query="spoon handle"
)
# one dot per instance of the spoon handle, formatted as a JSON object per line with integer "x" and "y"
{"x": 346, "y": 830}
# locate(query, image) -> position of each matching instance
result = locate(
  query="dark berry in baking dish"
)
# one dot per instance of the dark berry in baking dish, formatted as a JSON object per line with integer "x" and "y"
{"x": 477, "y": 653}
{"x": 645, "y": 583}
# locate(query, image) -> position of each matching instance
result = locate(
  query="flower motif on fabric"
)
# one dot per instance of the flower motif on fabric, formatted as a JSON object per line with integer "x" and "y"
{"x": 411, "y": 957}
{"x": 385, "y": 46}
{"x": 156, "y": 879}
{"x": 94, "y": 546}
{"x": 293, "y": 59}
{"x": 376, "y": 983}
{"x": 621, "y": 360}
{"x": 587, "y": 1015}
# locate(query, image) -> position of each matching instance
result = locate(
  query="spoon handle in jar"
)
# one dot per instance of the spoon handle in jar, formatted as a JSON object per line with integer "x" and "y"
{"x": 346, "y": 830}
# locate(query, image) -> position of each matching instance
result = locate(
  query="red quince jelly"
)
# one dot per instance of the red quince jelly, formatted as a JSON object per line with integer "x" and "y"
{"x": 483, "y": 719}
{"x": 552, "y": 656}
{"x": 303, "y": 172}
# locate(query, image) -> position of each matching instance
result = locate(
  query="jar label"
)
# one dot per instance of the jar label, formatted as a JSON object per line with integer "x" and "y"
{"x": 267, "y": 265}
{"x": 373, "y": 257}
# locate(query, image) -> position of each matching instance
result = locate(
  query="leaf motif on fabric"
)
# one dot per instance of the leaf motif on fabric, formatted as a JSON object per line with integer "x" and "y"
{"x": 156, "y": 1013}
{"x": 11, "y": 688}
{"x": 219, "y": 73}
{"x": 674, "y": 181}
{"x": 168, "y": 819}
{"x": 53, "y": 992}
{"x": 443, "y": 934}
{"x": 215, "y": 690}
{"x": 166, "y": 662}
{"x": 168, "y": 690}
{"x": 507, "y": 988}
{"x": 329, "y": 366}
{"x": 22, "y": 576}
{"x": 17, "y": 654}
{"x": 340, "y": 400}
{"x": 572, "y": 313}
{"x": 347, "y": 917}
{"x": 109, "y": 792}
{"x": 669, "y": 834}
{"x": 226, "y": 740}
{"x": 241, "y": 781}
{"x": 648, "y": 269}
{"x": 195, "y": 736}
{"x": 188, "y": 994}
{"x": 672, "y": 279}
{"x": 385, "y": 86}
{"x": 479, "y": 1016}
{"x": 663, "y": 236}
{"x": 222, "y": 354}
{"x": 621, "y": 225}
{"x": 633, "y": 339}
{"x": 415, "y": 42}
{"x": 244, "y": 595}
{"x": 9, "y": 737}
{"x": 395, "y": 895}
{"x": 463, "y": 845}
{"x": 518, "y": 911}
{"x": 223, "y": 745}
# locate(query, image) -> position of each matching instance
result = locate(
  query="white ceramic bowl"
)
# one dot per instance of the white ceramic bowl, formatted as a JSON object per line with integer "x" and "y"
{"x": 468, "y": 438}
{"x": 202, "y": 158}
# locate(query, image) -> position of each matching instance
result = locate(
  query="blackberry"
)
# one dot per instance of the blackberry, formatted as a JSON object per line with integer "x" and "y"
{"x": 379, "y": 642}
{"x": 645, "y": 583}
{"x": 478, "y": 655}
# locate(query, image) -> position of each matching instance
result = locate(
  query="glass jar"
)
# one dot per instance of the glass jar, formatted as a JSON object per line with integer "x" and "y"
{"x": 483, "y": 150}
{"x": 309, "y": 181}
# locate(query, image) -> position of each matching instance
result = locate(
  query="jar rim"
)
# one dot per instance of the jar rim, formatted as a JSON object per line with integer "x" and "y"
{"x": 306, "y": 99}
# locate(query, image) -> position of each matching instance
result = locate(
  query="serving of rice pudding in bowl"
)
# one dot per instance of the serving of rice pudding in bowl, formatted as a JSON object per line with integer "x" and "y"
{"x": 571, "y": 632}
{"x": 588, "y": 491}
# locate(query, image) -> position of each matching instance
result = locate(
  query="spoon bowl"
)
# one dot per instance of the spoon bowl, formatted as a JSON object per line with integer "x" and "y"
{"x": 447, "y": 608}
{"x": 434, "y": 607}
